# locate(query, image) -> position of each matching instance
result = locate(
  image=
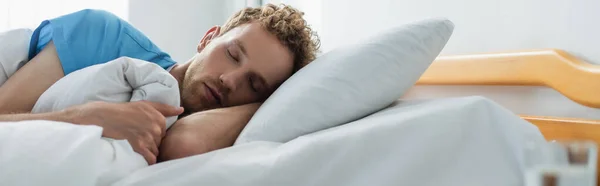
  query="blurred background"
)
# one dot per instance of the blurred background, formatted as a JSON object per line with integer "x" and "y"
{"x": 482, "y": 26}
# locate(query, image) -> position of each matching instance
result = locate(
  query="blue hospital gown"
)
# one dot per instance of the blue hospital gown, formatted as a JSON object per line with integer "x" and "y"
{"x": 90, "y": 37}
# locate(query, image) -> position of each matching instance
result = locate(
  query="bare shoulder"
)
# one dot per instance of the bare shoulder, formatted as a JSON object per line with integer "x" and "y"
{"x": 20, "y": 92}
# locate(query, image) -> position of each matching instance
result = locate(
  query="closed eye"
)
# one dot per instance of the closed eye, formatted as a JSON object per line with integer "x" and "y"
{"x": 252, "y": 86}
{"x": 231, "y": 56}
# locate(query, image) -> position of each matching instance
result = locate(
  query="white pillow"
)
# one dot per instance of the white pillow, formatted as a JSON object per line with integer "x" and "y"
{"x": 349, "y": 83}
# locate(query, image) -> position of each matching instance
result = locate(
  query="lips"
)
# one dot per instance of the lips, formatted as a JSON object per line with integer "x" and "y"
{"x": 213, "y": 94}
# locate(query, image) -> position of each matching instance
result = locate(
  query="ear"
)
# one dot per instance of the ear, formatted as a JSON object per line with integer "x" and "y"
{"x": 209, "y": 36}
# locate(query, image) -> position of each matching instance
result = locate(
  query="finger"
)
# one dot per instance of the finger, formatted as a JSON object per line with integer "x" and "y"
{"x": 161, "y": 124}
{"x": 148, "y": 156}
{"x": 153, "y": 149}
{"x": 166, "y": 110}
{"x": 159, "y": 131}
{"x": 153, "y": 143}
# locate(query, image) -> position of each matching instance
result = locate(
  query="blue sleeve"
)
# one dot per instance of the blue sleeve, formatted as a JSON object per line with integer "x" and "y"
{"x": 91, "y": 37}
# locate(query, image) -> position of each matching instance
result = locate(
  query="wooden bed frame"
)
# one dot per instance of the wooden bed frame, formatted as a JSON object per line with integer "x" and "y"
{"x": 575, "y": 79}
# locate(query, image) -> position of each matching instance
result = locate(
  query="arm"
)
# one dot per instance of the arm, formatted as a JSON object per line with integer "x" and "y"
{"x": 53, "y": 116}
{"x": 205, "y": 131}
{"x": 20, "y": 92}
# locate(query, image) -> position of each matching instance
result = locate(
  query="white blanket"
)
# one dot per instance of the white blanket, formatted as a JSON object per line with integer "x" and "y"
{"x": 55, "y": 153}
{"x": 458, "y": 141}
{"x": 121, "y": 80}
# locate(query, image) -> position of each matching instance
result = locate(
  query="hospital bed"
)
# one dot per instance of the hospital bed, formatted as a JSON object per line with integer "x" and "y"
{"x": 556, "y": 69}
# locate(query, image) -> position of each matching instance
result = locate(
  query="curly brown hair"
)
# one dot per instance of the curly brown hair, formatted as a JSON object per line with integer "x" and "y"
{"x": 287, "y": 24}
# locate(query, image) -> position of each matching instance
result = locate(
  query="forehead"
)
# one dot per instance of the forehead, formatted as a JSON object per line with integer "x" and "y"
{"x": 266, "y": 55}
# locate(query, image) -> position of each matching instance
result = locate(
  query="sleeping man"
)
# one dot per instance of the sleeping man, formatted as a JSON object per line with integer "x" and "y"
{"x": 237, "y": 66}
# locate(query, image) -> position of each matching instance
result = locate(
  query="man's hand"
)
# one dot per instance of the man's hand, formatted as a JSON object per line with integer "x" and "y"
{"x": 141, "y": 123}
{"x": 205, "y": 131}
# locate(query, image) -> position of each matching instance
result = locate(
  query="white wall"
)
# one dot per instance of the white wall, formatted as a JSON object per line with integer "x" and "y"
{"x": 231, "y": 6}
{"x": 481, "y": 25}
{"x": 176, "y": 26}
{"x": 30, "y": 13}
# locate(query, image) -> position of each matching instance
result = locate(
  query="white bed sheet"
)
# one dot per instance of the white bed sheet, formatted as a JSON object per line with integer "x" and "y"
{"x": 456, "y": 141}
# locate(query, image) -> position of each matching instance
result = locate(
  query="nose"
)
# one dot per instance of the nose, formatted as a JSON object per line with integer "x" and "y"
{"x": 234, "y": 79}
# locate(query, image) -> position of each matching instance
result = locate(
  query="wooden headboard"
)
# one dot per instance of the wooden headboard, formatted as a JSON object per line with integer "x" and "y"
{"x": 575, "y": 79}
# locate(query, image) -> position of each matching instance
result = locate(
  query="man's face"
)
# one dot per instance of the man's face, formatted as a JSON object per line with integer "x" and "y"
{"x": 245, "y": 65}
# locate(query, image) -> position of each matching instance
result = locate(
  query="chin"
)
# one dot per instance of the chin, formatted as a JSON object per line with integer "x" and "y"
{"x": 192, "y": 106}
{"x": 189, "y": 104}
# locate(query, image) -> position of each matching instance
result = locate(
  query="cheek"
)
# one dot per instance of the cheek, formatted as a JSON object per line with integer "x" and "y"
{"x": 193, "y": 78}
{"x": 242, "y": 97}
{"x": 201, "y": 68}
{"x": 216, "y": 63}
{"x": 189, "y": 93}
